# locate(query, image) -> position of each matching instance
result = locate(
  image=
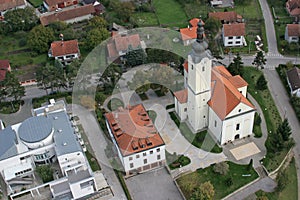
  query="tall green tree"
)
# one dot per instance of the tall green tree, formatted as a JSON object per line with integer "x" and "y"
{"x": 13, "y": 87}
{"x": 135, "y": 57}
{"x": 39, "y": 38}
{"x": 204, "y": 192}
{"x": 261, "y": 83}
{"x": 111, "y": 75}
{"x": 236, "y": 67}
{"x": 63, "y": 28}
{"x": 284, "y": 130}
{"x": 20, "y": 19}
{"x": 95, "y": 37}
{"x": 221, "y": 168}
{"x": 140, "y": 82}
{"x": 259, "y": 60}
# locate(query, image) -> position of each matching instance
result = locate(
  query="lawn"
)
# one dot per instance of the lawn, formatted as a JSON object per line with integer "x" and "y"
{"x": 152, "y": 114}
{"x": 169, "y": 13}
{"x": 201, "y": 139}
{"x": 36, "y": 3}
{"x": 92, "y": 161}
{"x": 236, "y": 172}
{"x": 145, "y": 19}
{"x": 175, "y": 161}
{"x": 290, "y": 192}
{"x": 270, "y": 112}
{"x": 10, "y": 107}
{"x": 114, "y": 104}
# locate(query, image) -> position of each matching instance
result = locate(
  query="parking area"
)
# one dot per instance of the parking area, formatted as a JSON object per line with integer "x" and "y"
{"x": 156, "y": 184}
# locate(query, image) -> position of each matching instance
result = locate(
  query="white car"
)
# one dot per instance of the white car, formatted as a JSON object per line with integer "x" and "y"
{"x": 58, "y": 9}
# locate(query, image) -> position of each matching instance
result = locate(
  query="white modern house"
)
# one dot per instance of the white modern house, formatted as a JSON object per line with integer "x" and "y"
{"x": 292, "y": 32}
{"x": 234, "y": 34}
{"x": 138, "y": 143}
{"x": 293, "y": 78}
{"x": 45, "y": 138}
{"x": 213, "y": 98}
{"x": 64, "y": 51}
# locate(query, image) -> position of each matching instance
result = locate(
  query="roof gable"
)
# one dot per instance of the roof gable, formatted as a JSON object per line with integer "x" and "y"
{"x": 9, "y": 4}
{"x": 293, "y": 30}
{"x": 237, "y": 29}
{"x": 230, "y": 16}
{"x": 60, "y": 48}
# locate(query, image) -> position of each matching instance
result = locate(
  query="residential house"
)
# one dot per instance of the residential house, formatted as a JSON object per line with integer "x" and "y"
{"x": 4, "y": 68}
{"x": 213, "y": 99}
{"x": 64, "y": 51}
{"x": 52, "y": 5}
{"x": 99, "y": 7}
{"x": 6, "y": 5}
{"x": 292, "y": 32}
{"x": 226, "y": 17}
{"x": 120, "y": 44}
{"x": 138, "y": 143}
{"x": 293, "y": 78}
{"x": 189, "y": 35}
{"x": 234, "y": 34}
{"x": 293, "y": 8}
{"x": 73, "y": 15}
{"x": 222, "y": 3}
{"x": 45, "y": 138}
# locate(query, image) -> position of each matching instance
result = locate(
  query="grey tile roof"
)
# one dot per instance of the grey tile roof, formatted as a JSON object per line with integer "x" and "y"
{"x": 294, "y": 78}
{"x": 7, "y": 143}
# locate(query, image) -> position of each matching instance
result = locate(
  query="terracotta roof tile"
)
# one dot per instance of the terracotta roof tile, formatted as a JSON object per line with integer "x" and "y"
{"x": 55, "y": 2}
{"x": 133, "y": 130}
{"x": 237, "y": 29}
{"x": 237, "y": 81}
{"x": 194, "y": 22}
{"x": 190, "y": 32}
{"x": 67, "y": 14}
{"x": 225, "y": 96}
{"x": 4, "y": 64}
{"x": 294, "y": 78}
{"x": 9, "y": 4}
{"x": 60, "y": 48}
{"x": 181, "y": 95}
{"x": 293, "y": 30}
{"x": 186, "y": 66}
{"x": 225, "y": 16}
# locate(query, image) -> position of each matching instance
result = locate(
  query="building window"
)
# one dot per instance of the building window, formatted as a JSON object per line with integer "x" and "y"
{"x": 131, "y": 165}
{"x": 229, "y": 42}
{"x": 240, "y": 110}
{"x": 130, "y": 158}
{"x": 230, "y": 38}
{"x": 238, "y": 42}
{"x": 215, "y": 123}
{"x": 137, "y": 156}
{"x": 145, "y": 161}
{"x": 185, "y": 109}
{"x": 158, "y": 157}
{"x": 151, "y": 152}
{"x": 204, "y": 116}
{"x": 237, "y": 127}
{"x": 203, "y": 68}
{"x": 158, "y": 149}
{"x": 192, "y": 67}
{"x": 144, "y": 154}
{"x": 238, "y": 37}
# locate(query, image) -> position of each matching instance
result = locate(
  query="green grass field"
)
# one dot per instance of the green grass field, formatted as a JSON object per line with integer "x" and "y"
{"x": 145, "y": 19}
{"x": 169, "y": 13}
{"x": 36, "y": 3}
{"x": 189, "y": 182}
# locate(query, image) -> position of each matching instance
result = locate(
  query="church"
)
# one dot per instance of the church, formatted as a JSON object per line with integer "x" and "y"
{"x": 213, "y": 99}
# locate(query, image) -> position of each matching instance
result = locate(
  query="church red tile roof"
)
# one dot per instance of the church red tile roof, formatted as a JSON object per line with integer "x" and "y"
{"x": 60, "y": 48}
{"x": 225, "y": 95}
{"x": 133, "y": 130}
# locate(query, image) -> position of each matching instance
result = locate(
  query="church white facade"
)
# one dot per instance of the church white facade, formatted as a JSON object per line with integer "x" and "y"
{"x": 213, "y": 99}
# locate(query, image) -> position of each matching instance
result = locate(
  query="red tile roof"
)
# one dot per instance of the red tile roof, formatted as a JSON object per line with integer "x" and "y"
{"x": 293, "y": 76}
{"x": 68, "y": 14}
{"x": 190, "y": 32}
{"x": 194, "y": 22}
{"x": 60, "y": 48}
{"x": 181, "y": 95}
{"x": 293, "y": 30}
{"x": 225, "y": 16}
{"x": 225, "y": 95}
{"x": 237, "y": 29}
{"x": 186, "y": 66}
{"x": 9, "y": 4}
{"x": 4, "y": 67}
{"x": 133, "y": 130}
{"x": 293, "y": 7}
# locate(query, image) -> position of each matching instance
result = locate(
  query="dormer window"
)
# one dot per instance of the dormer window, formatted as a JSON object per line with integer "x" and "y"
{"x": 192, "y": 67}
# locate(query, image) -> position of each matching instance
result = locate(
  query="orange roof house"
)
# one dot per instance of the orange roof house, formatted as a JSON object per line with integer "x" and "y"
{"x": 226, "y": 17}
{"x": 133, "y": 130}
{"x": 234, "y": 29}
{"x": 293, "y": 8}
{"x": 52, "y": 5}
{"x": 10, "y": 4}
{"x": 65, "y": 51}
{"x": 189, "y": 34}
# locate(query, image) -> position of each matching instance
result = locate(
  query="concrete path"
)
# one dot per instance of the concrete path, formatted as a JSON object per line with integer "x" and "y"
{"x": 98, "y": 143}
{"x": 23, "y": 113}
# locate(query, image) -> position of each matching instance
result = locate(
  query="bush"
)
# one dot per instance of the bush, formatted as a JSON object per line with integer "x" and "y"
{"x": 22, "y": 42}
{"x": 257, "y": 119}
{"x": 45, "y": 172}
{"x": 221, "y": 168}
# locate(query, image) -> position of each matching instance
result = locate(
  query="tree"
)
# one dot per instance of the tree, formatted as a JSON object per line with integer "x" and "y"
{"x": 236, "y": 67}
{"x": 39, "y": 38}
{"x": 262, "y": 198}
{"x": 212, "y": 25}
{"x": 257, "y": 119}
{"x": 164, "y": 76}
{"x": 204, "y": 192}
{"x": 45, "y": 172}
{"x": 284, "y": 130}
{"x": 249, "y": 167}
{"x": 20, "y": 19}
{"x": 259, "y": 60}
{"x": 123, "y": 9}
{"x": 63, "y": 28}
{"x": 135, "y": 57}
{"x": 282, "y": 180}
{"x": 140, "y": 82}
{"x": 221, "y": 168}
{"x": 71, "y": 71}
{"x": 97, "y": 22}
{"x": 261, "y": 83}
{"x": 95, "y": 37}
{"x": 111, "y": 75}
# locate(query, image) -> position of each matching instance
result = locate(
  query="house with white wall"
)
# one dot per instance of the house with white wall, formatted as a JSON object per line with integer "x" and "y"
{"x": 45, "y": 138}
{"x": 6, "y": 5}
{"x": 234, "y": 34}
{"x": 293, "y": 79}
{"x": 64, "y": 51}
{"x": 138, "y": 143}
{"x": 213, "y": 99}
{"x": 52, "y": 5}
{"x": 292, "y": 32}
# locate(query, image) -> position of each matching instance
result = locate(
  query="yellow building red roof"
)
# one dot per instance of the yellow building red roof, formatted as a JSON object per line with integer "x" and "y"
{"x": 133, "y": 130}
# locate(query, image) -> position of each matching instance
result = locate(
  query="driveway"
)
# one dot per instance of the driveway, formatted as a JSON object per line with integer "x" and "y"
{"x": 156, "y": 184}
